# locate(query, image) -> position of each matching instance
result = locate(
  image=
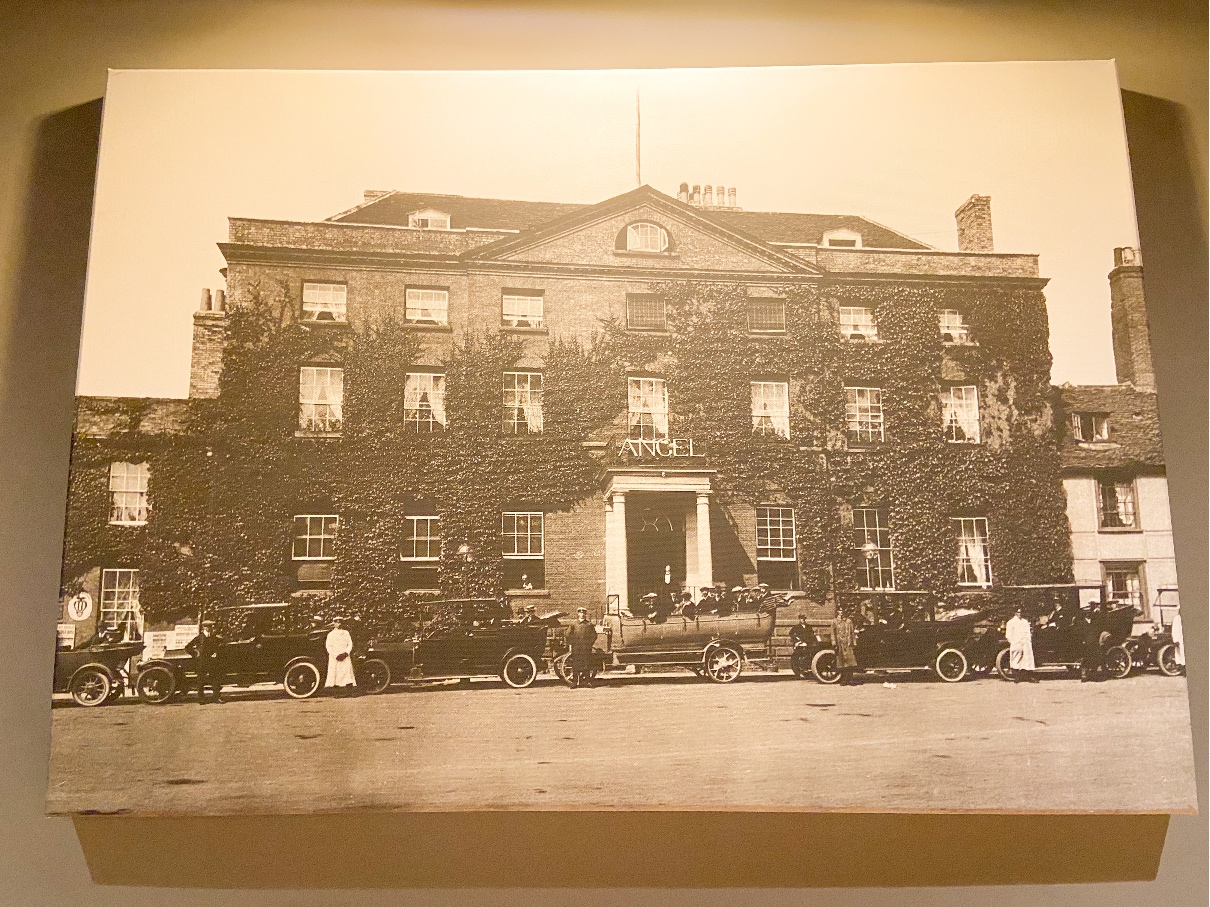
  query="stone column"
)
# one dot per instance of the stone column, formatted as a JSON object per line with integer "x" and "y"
{"x": 615, "y": 547}
{"x": 705, "y": 564}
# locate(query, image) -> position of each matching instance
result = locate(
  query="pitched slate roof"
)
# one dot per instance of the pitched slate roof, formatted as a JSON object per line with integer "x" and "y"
{"x": 393, "y": 208}
{"x": 485, "y": 213}
{"x": 1134, "y": 428}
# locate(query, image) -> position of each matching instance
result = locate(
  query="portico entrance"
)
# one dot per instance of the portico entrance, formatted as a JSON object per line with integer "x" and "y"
{"x": 657, "y": 531}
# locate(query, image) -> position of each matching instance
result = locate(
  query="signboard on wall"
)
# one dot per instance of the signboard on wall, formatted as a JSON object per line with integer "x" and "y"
{"x": 80, "y": 606}
{"x": 66, "y": 633}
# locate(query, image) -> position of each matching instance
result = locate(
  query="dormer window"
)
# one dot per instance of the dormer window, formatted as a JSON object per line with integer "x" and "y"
{"x": 841, "y": 239}
{"x": 1090, "y": 426}
{"x": 429, "y": 219}
{"x": 644, "y": 237}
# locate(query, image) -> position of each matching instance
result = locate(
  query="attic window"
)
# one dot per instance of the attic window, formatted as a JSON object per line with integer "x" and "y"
{"x": 429, "y": 220}
{"x": 1090, "y": 426}
{"x": 643, "y": 237}
{"x": 841, "y": 239}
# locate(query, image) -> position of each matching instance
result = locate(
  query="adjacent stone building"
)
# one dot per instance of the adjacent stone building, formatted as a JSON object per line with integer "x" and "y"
{"x": 431, "y": 394}
{"x": 1113, "y": 465}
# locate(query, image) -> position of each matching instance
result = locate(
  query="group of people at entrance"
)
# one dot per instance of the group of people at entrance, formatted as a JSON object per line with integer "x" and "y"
{"x": 715, "y": 600}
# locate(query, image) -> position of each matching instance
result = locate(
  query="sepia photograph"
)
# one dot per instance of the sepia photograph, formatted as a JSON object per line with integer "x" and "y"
{"x": 766, "y": 439}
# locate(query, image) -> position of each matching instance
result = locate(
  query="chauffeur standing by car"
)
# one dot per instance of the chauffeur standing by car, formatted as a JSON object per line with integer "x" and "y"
{"x": 204, "y": 650}
{"x": 844, "y": 639}
{"x": 581, "y": 637}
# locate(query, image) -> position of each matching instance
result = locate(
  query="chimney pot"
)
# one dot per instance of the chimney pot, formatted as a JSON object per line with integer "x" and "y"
{"x": 220, "y": 300}
{"x": 205, "y": 304}
{"x": 974, "y": 220}
{"x": 696, "y": 198}
{"x": 1127, "y": 257}
{"x": 707, "y": 196}
{"x": 682, "y": 194}
{"x": 731, "y": 197}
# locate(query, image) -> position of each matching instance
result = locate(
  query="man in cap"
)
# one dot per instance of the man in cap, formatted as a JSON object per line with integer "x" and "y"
{"x": 844, "y": 641}
{"x": 530, "y": 615}
{"x": 339, "y": 644}
{"x": 204, "y": 649}
{"x": 581, "y": 636}
{"x": 647, "y": 606}
{"x": 801, "y": 634}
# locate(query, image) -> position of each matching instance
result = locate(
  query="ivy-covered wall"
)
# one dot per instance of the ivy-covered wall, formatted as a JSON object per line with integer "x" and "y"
{"x": 224, "y": 492}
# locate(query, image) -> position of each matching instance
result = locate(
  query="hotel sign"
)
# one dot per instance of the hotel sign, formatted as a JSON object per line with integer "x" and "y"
{"x": 664, "y": 447}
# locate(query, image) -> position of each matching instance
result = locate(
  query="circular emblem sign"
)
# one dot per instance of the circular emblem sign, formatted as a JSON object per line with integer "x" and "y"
{"x": 80, "y": 607}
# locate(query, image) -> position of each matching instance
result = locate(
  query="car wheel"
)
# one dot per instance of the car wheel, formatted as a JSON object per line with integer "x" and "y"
{"x": 563, "y": 668}
{"x": 519, "y": 670}
{"x": 302, "y": 680}
{"x": 950, "y": 665}
{"x": 1118, "y": 662}
{"x": 800, "y": 663}
{"x": 375, "y": 675}
{"x": 1166, "y": 659}
{"x": 724, "y": 663}
{"x": 825, "y": 666}
{"x": 90, "y": 687}
{"x": 155, "y": 685}
{"x": 1004, "y": 664}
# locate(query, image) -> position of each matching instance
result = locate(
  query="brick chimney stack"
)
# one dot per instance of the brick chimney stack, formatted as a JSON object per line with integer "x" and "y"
{"x": 209, "y": 338}
{"x": 1128, "y": 310}
{"x": 975, "y": 224}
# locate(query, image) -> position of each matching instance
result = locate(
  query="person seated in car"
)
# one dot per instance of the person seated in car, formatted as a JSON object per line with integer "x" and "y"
{"x": 665, "y": 606}
{"x": 892, "y": 618}
{"x": 647, "y": 607}
{"x": 529, "y": 616}
{"x": 708, "y": 603}
{"x": 729, "y": 600}
{"x": 686, "y": 609}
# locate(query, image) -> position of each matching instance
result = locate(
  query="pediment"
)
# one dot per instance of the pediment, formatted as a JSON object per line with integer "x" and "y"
{"x": 625, "y": 232}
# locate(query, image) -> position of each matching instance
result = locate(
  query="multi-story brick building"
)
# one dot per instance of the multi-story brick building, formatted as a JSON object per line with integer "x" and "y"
{"x": 432, "y": 392}
{"x": 1113, "y": 464}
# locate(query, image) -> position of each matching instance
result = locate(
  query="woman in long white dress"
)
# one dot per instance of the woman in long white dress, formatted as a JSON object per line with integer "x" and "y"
{"x": 340, "y": 658}
{"x": 1020, "y": 646}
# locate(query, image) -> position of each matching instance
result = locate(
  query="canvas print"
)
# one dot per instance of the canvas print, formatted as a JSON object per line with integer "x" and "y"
{"x": 762, "y": 439}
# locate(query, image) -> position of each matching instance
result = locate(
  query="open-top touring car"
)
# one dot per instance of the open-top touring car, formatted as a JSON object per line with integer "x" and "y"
{"x": 95, "y": 673}
{"x": 1060, "y": 628}
{"x": 902, "y": 631}
{"x": 473, "y": 638}
{"x": 712, "y": 645}
{"x": 1155, "y": 648}
{"x": 264, "y": 643}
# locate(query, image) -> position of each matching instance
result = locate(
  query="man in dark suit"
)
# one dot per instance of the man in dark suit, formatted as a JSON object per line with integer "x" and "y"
{"x": 204, "y": 649}
{"x": 581, "y": 636}
{"x": 1090, "y": 663}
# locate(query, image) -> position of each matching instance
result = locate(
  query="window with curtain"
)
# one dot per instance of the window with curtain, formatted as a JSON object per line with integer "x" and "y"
{"x": 320, "y": 399}
{"x": 1119, "y": 508}
{"x": 120, "y": 599}
{"x": 324, "y": 301}
{"x": 522, "y": 402}
{"x": 960, "y": 414}
{"x": 647, "y": 406}
{"x": 954, "y": 328}
{"x": 128, "y": 493}
{"x": 974, "y": 559}
{"x": 522, "y": 310}
{"x": 771, "y": 408}
{"x": 424, "y": 401}
{"x": 426, "y": 305}
{"x": 857, "y": 323}
{"x": 863, "y": 415}
{"x": 872, "y": 549}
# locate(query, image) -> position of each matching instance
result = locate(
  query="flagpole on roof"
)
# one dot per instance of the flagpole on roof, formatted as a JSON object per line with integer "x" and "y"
{"x": 638, "y": 134}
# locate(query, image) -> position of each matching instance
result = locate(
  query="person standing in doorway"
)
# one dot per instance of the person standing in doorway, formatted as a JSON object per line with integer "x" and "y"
{"x": 1020, "y": 638}
{"x": 582, "y": 636}
{"x": 339, "y": 644}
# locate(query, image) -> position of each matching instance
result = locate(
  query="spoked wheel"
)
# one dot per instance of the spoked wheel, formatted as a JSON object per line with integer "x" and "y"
{"x": 90, "y": 687}
{"x": 563, "y": 668}
{"x": 825, "y": 666}
{"x": 800, "y": 664}
{"x": 724, "y": 664}
{"x": 950, "y": 665}
{"x": 519, "y": 670}
{"x": 302, "y": 680}
{"x": 1118, "y": 662}
{"x": 375, "y": 675}
{"x": 1004, "y": 664}
{"x": 155, "y": 685}
{"x": 1166, "y": 659}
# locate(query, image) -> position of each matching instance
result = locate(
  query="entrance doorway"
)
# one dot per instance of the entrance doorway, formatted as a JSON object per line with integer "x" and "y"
{"x": 655, "y": 547}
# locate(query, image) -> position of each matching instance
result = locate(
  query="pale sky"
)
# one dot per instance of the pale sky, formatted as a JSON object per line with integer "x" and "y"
{"x": 181, "y": 151}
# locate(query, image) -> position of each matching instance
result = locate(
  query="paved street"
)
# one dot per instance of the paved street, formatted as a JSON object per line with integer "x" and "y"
{"x": 764, "y": 742}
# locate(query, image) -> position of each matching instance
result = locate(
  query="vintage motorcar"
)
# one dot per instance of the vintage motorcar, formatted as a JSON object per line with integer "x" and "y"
{"x": 95, "y": 673}
{"x": 710, "y": 645}
{"x": 260, "y": 643}
{"x": 475, "y": 638}
{"x": 1155, "y": 647}
{"x": 1060, "y": 628}
{"x": 905, "y": 631}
